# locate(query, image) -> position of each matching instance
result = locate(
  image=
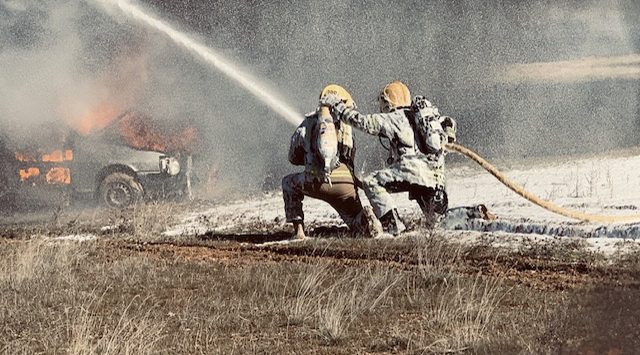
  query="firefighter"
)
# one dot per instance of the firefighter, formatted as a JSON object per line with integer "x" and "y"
{"x": 416, "y": 137}
{"x": 328, "y": 173}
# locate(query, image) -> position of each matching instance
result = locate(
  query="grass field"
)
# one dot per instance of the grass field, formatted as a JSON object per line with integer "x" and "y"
{"x": 131, "y": 290}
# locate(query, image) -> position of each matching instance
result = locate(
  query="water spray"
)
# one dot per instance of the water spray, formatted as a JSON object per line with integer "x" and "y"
{"x": 293, "y": 117}
{"x": 211, "y": 57}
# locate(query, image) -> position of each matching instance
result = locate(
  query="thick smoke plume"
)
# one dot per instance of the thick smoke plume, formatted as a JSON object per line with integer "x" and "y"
{"x": 62, "y": 63}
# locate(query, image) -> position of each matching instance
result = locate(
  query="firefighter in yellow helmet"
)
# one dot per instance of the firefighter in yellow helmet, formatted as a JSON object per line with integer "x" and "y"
{"x": 416, "y": 146}
{"x": 326, "y": 149}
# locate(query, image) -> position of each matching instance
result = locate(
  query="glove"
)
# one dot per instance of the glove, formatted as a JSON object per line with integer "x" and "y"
{"x": 450, "y": 127}
{"x": 330, "y": 100}
{"x": 335, "y": 104}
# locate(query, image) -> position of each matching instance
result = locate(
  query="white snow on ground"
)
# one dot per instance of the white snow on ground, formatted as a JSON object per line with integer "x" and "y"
{"x": 602, "y": 185}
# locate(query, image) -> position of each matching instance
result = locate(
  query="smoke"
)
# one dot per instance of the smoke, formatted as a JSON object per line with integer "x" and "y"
{"x": 60, "y": 58}
{"x": 61, "y": 62}
{"x": 456, "y": 53}
{"x": 577, "y": 94}
{"x": 32, "y": 61}
{"x": 212, "y": 58}
{"x": 69, "y": 63}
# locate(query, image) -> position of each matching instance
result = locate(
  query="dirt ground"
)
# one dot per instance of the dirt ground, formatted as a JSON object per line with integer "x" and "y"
{"x": 546, "y": 269}
{"x": 549, "y": 266}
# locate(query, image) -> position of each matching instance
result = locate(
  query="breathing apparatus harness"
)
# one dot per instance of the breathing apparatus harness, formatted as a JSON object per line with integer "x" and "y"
{"x": 419, "y": 132}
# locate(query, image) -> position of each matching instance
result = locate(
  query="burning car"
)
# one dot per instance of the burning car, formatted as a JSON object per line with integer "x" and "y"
{"x": 121, "y": 164}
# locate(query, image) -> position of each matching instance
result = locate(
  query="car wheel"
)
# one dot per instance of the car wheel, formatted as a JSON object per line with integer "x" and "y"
{"x": 120, "y": 190}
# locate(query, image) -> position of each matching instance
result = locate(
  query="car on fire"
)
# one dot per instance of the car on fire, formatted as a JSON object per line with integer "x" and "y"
{"x": 119, "y": 176}
{"x": 103, "y": 166}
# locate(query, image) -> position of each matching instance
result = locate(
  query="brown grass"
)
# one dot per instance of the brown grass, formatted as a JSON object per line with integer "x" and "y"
{"x": 131, "y": 292}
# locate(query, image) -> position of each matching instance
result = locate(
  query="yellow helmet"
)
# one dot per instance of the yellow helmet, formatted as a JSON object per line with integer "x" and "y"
{"x": 340, "y": 92}
{"x": 394, "y": 95}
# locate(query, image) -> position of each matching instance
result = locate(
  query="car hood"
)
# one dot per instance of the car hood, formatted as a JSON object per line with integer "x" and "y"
{"x": 98, "y": 151}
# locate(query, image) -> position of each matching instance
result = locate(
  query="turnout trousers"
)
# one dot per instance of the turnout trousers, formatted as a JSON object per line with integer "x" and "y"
{"x": 341, "y": 194}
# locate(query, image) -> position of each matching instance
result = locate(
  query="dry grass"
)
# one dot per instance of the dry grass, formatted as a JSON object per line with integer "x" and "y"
{"x": 351, "y": 296}
{"x": 308, "y": 294}
{"x": 136, "y": 330}
{"x": 407, "y": 296}
{"x": 143, "y": 221}
{"x": 48, "y": 308}
{"x": 459, "y": 316}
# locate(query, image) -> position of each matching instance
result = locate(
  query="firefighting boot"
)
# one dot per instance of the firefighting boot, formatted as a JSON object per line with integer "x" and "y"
{"x": 391, "y": 223}
{"x": 367, "y": 224}
{"x": 484, "y": 213}
{"x": 298, "y": 230}
{"x": 434, "y": 204}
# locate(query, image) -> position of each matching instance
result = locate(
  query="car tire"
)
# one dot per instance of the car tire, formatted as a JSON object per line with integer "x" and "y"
{"x": 120, "y": 190}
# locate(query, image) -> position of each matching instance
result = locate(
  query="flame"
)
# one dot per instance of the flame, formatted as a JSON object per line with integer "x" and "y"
{"x": 96, "y": 118}
{"x": 58, "y": 156}
{"x": 95, "y": 103}
{"x": 55, "y": 175}
{"x": 140, "y": 132}
{"x": 29, "y": 173}
{"x": 24, "y": 157}
{"x": 58, "y": 175}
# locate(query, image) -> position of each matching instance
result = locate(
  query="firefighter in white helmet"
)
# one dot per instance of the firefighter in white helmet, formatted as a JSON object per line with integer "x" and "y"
{"x": 326, "y": 149}
{"x": 416, "y": 146}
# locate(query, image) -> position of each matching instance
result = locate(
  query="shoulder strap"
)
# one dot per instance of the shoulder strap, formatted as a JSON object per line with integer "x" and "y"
{"x": 420, "y": 140}
{"x": 346, "y": 146}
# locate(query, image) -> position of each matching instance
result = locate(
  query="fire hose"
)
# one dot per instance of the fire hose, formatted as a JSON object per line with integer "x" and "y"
{"x": 531, "y": 197}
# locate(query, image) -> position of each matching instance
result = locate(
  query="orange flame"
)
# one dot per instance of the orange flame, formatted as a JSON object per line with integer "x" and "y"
{"x": 96, "y": 119}
{"x": 140, "y": 133}
{"x": 55, "y": 175}
{"x": 58, "y": 156}
{"x": 29, "y": 173}
{"x": 96, "y": 104}
{"x": 58, "y": 175}
{"x": 24, "y": 157}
